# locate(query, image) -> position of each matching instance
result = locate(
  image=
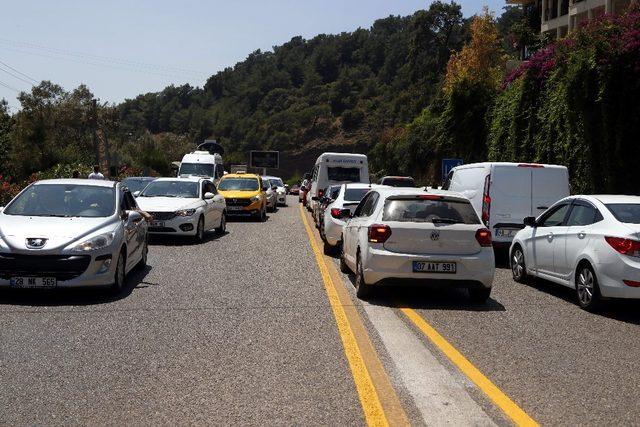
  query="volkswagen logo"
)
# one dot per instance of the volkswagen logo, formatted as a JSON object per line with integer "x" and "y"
{"x": 35, "y": 242}
{"x": 435, "y": 235}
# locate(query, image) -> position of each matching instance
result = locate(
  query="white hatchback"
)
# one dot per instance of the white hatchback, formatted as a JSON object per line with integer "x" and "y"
{"x": 588, "y": 243}
{"x": 413, "y": 236}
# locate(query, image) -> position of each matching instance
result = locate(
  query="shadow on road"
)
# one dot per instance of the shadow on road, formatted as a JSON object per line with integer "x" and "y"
{"x": 627, "y": 311}
{"x": 438, "y": 298}
{"x": 71, "y": 296}
{"x": 169, "y": 240}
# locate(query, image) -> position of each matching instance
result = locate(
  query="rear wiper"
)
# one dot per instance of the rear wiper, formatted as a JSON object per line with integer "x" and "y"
{"x": 445, "y": 221}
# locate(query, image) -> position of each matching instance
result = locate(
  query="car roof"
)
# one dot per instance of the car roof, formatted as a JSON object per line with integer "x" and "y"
{"x": 184, "y": 178}
{"x": 396, "y": 177}
{"x": 514, "y": 164}
{"x": 611, "y": 198}
{"x": 360, "y": 185}
{"x": 82, "y": 181}
{"x": 387, "y": 191}
{"x": 241, "y": 175}
{"x": 271, "y": 177}
{"x": 141, "y": 177}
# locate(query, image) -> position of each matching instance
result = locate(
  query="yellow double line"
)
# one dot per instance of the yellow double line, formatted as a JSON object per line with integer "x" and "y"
{"x": 366, "y": 368}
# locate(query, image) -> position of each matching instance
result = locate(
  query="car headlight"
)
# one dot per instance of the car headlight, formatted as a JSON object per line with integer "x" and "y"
{"x": 255, "y": 199}
{"x": 185, "y": 212}
{"x": 96, "y": 242}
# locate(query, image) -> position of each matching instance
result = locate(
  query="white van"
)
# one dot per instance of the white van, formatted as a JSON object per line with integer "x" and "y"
{"x": 202, "y": 163}
{"x": 337, "y": 168}
{"x": 504, "y": 194}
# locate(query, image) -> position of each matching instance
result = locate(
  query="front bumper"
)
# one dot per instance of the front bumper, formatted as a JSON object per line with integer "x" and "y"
{"x": 178, "y": 226}
{"x": 385, "y": 267}
{"x": 71, "y": 270}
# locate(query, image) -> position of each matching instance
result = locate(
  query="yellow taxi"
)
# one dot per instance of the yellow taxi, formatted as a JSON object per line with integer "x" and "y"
{"x": 244, "y": 195}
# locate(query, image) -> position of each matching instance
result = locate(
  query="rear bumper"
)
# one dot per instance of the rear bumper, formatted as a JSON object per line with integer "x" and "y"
{"x": 332, "y": 230}
{"x": 612, "y": 270}
{"x": 384, "y": 267}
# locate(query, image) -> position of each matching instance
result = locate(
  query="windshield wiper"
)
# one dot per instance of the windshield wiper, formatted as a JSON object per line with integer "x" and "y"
{"x": 445, "y": 221}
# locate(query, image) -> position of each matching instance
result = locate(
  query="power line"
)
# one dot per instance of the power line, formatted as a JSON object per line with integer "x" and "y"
{"x": 16, "y": 76}
{"x": 19, "y": 72}
{"x": 9, "y": 87}
{"x": 97, "y": 64}
{"x": 94, "y": 57}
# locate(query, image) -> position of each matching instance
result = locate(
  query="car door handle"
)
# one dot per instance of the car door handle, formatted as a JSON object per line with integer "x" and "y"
{"x": 582, "y": 235}
{"x": 550, "y": 236}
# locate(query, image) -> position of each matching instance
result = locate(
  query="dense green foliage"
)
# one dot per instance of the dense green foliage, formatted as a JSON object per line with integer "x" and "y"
{"x": 575, "y": 103}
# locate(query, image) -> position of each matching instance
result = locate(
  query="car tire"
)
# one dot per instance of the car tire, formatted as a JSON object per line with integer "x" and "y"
{"x": 587, "y": 288}
{"x": 362, "y": 289}
{"x": 327, "y": 248}
{"x": 145, "y": 253}
{"x": 479, "y": 295}
{"x": 199, "y": 237}
{"x": 518, "y": 265}
{"x": 263, "y": 214}
{"x": 343, "y": 265}
{"x": 119, "y": 275}
{"x": 223, "y": 225}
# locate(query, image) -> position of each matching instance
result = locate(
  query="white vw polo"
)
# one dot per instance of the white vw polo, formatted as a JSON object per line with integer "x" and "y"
{"x": 413, "y": 236}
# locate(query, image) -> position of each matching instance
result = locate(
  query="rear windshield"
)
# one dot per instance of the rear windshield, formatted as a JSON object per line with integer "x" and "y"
{"x": 355, "y": 194}
{"x": 625, "y": 212}
{"x": 420, "y": 210}
{"x": 399, "y": 182}
{"x": 239, "y": 184}
{"x": 337, "y": 173}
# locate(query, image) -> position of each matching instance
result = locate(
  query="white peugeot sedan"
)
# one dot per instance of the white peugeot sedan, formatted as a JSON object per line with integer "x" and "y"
{"x": 414, "y": 236}
{"x": 184, "y": 206}
{"x": 348, "y": 197}
{"x": 587, "y": 243}
{"x": 71, "y": 232}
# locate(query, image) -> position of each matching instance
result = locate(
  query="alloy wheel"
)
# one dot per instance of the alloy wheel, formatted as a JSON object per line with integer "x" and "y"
{"x": 585, "y": 286}
{"x": 517, "y": 264}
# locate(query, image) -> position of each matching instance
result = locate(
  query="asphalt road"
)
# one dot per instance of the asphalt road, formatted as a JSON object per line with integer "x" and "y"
{"x": 239, "y": 330}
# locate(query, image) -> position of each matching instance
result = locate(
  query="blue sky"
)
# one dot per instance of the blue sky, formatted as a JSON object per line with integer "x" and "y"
{"x": 122, "y": 48}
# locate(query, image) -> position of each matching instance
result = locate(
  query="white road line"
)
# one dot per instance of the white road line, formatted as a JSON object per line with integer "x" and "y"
{"x": 438, "y": 393}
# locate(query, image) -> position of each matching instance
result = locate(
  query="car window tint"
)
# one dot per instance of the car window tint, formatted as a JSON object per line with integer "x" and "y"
{"x": 581, "y": 214}
{"x": 628, "y": 213}
{"x": 420, "y": 210}
{"x": 369, "y": 204}
{"x": 363, "y": 203}
{"x": 555, "y": 217}
{"x": 129, "y": 201}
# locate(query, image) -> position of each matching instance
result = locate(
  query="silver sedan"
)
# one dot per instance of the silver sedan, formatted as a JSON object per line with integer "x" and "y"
{"x": 71, "y": 232}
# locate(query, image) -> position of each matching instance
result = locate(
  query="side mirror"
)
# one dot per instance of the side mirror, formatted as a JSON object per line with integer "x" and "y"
{"x": 208, "y": 196}
{"x": 124, "y": 215}
{"x": 134, "y": 215}
{"x": 274, "y": 187}
{"x": 136, "y": 193}
{"x": 530, "y": 221}
{"x": 344, "y": 213}
{"x": 314, "y": 198}
{"x": 218, "y": 198}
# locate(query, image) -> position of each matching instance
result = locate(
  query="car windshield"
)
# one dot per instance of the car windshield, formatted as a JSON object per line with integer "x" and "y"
{"x": 175, "y": 188}
{"x": 238, "y": 184}
{"x": 355, "y": 194}
{"x": 64, "y": 200}
{"x": 343, "y": 174}
{"x": 277, "y": 182}
{"x": 198, "y": 169}
{"x": 399, "y": 182}
{"x": 423, "y": 210}
{"x": 136, "y": 184}
{"x": 628, "y": 213}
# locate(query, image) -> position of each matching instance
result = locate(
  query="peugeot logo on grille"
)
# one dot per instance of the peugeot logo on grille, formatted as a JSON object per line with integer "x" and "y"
{"x": 35, "y": 242}
{"x": 435, "y": 235}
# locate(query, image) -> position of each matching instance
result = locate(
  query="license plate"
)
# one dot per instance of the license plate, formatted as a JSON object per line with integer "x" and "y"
{"x": 234, "y": 208}
{"x": 33, "y": 282}
{"x": 506, "y": 232}
{"x": 434, "y": 267}
{"x": 157, "y": 223}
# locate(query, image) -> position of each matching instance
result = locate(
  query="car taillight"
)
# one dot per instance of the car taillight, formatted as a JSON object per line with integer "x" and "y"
{"x": 632, "y": 283}
{"x": 486, "y": 201}
{"x": 335, "y": 212}
{"x": 483, "y": 236}
{"x": 379, "y": 233}
{"x": 530, "y": 165}
{"x": 624, "y": 246}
